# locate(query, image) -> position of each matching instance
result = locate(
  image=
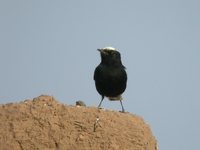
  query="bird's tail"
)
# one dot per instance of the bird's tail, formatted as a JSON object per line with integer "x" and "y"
{"x": 116, "y": 98}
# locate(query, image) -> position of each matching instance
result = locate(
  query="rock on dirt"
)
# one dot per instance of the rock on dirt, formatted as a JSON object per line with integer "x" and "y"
{"x": 45, "y": 124}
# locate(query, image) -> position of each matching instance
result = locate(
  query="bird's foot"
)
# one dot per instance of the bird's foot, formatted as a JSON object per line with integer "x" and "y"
{"x": 122, "y": 111}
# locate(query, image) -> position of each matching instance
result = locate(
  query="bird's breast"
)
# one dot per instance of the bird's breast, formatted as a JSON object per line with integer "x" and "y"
{"x": 113, "y": 72}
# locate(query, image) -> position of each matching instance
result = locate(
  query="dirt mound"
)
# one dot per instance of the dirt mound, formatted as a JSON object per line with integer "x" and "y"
{"x": 43, "y": 123}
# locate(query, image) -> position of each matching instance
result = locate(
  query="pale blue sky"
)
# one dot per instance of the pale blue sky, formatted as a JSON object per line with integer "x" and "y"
{"x": 49, "y": 47}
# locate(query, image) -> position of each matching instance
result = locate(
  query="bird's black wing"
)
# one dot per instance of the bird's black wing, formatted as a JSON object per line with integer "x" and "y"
{"x": 97, "y": 72}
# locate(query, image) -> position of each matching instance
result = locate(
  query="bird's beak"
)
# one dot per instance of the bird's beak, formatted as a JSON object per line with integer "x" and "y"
{"x": 100, "y": 50}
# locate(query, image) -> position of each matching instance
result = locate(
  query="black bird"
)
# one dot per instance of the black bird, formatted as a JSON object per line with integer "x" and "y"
{"x": 110, "y": 75}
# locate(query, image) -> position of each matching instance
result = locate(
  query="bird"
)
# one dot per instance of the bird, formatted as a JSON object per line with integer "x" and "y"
{"x": 110, "y": 75}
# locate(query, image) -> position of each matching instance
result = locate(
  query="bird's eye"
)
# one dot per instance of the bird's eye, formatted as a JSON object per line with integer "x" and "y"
{"x": 112, "y": 53}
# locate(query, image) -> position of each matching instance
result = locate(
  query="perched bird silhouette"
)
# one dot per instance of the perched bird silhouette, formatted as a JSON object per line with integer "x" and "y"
{"x": 110, "y": 75}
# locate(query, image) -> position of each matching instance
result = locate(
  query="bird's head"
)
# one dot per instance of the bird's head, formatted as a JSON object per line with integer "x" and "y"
{"x": 110, "y": 55}
{"x": 107, "y": 50}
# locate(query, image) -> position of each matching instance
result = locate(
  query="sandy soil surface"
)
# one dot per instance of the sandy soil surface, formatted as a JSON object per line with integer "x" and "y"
{"x": 45, "y": 124}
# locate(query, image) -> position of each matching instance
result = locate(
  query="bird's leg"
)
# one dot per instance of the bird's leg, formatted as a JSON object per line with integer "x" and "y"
{"x": 122, "y": 106}
{"x": 101, "y": 101}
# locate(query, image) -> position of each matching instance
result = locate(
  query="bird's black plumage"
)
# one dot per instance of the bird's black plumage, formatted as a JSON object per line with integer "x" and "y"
{"x": 110, "y": 75}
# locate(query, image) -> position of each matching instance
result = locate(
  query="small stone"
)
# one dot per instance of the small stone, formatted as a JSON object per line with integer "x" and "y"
{"x": 80, "y": 103}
